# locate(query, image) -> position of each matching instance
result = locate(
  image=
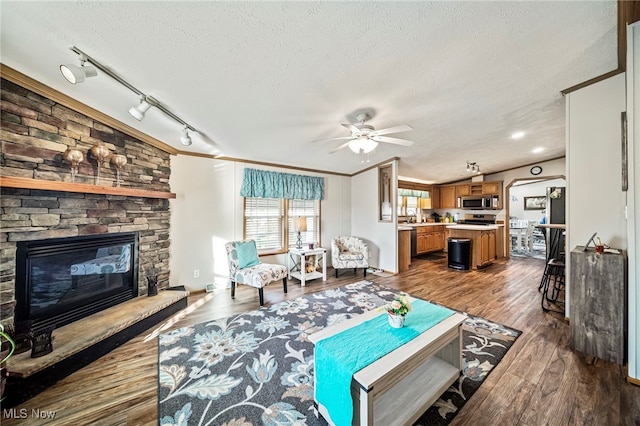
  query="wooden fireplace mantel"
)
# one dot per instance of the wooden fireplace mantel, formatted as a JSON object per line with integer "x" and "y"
{"x": 49, "y": 185}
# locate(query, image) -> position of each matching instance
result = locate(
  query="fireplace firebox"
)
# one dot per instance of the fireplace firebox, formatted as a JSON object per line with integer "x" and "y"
{"x": 62, "y": 280}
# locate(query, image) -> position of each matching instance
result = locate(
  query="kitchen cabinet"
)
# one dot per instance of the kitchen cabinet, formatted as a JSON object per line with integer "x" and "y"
{"x": 483, "y": 243}
{"x": 487, "y": 247}
{"x": 429, "y": 238}
{"x": 404, "y": 249}
{"x": 448, "y": 197}
{"x": 435, "y": 197}
{"x": 491, "y": 188}
{"x": 463, "y": 190}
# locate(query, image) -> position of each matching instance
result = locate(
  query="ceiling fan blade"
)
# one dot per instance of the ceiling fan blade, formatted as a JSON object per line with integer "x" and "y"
{"x": 396, "y": 129}
{"x": 351, "y": 127}
{"x": 395, "y": 141}
{"x": 340, "y": 147}
{"x": 333, "y": 139}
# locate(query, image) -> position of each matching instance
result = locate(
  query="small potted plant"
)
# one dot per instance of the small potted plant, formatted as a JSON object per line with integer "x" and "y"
{"x": 397, "y": 309}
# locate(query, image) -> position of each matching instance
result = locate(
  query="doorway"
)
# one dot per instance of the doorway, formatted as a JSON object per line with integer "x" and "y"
{"x": 525, "y": 207}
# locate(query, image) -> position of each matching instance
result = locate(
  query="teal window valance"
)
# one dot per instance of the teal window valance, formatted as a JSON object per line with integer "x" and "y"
{"x": 413, "y": 193}
{"x": 264, "y": 184}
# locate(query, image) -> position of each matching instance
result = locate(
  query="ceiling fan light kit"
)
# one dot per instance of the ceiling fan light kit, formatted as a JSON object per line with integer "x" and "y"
{"x": 74, "y": 74}
{"x": 365, "y": 138}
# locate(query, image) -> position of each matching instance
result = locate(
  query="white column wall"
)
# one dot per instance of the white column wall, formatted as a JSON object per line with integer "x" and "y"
{"x": 381, "y": 237}
{"x": 595, "y": 200}
{"x": 208, "y": 209}
{"x": 633, "y": 196}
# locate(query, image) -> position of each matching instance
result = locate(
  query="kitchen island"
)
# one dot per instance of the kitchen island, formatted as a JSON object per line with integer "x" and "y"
{"x": 483, "y": 242}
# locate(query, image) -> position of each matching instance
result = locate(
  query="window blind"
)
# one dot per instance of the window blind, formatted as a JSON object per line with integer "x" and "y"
{"x": 309, "y": 209}
{"x": 263, "y": 222}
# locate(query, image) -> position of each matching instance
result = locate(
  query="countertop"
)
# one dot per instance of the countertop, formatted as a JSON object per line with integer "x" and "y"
{"x": 472, "y": 227}
{"x": 405, "y": 228}
{"x": 416, "y": 225}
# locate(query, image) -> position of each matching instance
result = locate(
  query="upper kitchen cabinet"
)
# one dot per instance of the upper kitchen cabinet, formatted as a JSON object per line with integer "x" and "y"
{"x": 463, "y": 190}
{"x": 448, "y": 199}
{"x": 450, "y": 194}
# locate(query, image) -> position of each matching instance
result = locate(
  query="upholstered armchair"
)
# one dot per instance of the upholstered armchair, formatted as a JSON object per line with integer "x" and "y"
{"x": 349, "y": 252}
{"x": 246, "y": 268}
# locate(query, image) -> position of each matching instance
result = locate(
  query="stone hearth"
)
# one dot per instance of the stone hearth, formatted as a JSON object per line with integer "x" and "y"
{"x": 77, "y": 344}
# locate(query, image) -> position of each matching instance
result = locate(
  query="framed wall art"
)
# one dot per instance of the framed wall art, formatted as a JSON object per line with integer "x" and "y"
{"x": 535, "y": 203}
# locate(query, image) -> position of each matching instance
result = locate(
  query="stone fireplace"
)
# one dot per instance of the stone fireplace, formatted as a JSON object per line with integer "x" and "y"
{"x": 124, "y": 230}
{"x": 36, "y": 131}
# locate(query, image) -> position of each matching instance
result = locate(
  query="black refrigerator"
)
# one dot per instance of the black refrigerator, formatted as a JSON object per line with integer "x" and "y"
{"x": 555, "y": 214}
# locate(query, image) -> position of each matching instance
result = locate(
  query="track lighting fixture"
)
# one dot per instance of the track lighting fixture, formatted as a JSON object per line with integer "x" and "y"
{"x": 138, "y": 111}
{"x": 473, "y": 167}
{"x": 185, "y": 139}
{"x": 74, "y": 74}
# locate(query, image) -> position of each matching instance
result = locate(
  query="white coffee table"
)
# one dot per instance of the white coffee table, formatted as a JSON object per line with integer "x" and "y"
{"x": 399, "y": 387}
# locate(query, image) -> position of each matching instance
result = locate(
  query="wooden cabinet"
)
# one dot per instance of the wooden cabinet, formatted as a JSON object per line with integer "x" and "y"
{"x": 435, "y": 197}
{"x": 463, "y": 190}
{"x": 438, "y": 239}
{"x": 598, "y": 304}
{"x": 483, "y": 244}
{"x": 492, "y": 245}
{"x": 404, "y": 250}
{"x": 429, "y": 238}
{"x": 448, "y": 197}
{"x": 491, "y": 188}
{"x": 487, "y": 247}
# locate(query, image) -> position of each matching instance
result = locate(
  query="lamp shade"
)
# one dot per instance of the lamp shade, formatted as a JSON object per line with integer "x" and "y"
{"x": 300, "y": 224}
{"x": 362, "y": 144}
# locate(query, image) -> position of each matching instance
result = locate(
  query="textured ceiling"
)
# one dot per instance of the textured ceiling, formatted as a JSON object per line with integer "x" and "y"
{"x": 261, "y": 80}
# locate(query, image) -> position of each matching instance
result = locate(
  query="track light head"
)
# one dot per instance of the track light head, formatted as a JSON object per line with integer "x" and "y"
{"x": 185, "y": 139}
{"x": 138, "y": 111}
{"x": 76, "y": 74}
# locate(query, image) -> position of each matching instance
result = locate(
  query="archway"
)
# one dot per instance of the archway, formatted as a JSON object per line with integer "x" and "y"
{"x": 507, "y": 204}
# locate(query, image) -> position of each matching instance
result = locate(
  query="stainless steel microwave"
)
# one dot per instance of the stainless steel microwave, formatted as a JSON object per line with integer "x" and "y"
{"x": 478, "y": 202}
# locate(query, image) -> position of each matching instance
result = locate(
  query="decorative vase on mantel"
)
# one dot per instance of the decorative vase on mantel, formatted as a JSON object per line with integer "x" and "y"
{"x": 395, "y": 321}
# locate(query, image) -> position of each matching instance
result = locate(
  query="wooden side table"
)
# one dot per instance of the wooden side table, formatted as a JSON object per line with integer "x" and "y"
{"x": 297, "y": 261}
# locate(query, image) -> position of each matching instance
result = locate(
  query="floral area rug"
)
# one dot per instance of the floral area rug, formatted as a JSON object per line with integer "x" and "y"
{"x": 256, "y": 368}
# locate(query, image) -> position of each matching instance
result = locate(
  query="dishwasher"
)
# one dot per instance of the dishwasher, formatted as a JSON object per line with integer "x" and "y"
{"x": 414, "y": 242}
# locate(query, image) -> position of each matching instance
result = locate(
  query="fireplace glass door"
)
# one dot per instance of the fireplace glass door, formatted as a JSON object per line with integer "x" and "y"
{"x": 61, "y": 280}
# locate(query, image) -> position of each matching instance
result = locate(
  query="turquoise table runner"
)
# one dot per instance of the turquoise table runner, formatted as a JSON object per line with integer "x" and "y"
{"x": 338, "y": 357}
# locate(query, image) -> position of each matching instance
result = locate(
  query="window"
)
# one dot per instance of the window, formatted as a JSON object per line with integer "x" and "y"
{"x": 309, "y": 209}
{"x": 265, "y": 219}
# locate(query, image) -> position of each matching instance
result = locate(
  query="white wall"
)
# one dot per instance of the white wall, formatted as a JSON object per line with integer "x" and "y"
{"x": 207, "y": 212}
{"x": 633, "y": 196}
{"x": 518, "y": 192}
{"x": 381, "y": 237}
{"x": 595, "y": 201}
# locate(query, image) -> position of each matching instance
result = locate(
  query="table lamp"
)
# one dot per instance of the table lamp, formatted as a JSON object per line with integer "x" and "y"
{"x": 299, "y": 225}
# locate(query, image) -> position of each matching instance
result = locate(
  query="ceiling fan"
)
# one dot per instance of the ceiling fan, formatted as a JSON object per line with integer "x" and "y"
{"x": 365, "y": 138}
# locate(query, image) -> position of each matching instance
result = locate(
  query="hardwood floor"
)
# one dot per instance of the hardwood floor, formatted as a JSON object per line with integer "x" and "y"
{"x": 539, "y": 381}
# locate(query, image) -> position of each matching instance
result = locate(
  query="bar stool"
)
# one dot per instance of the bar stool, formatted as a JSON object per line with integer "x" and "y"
{"x": 550, "y": 292}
